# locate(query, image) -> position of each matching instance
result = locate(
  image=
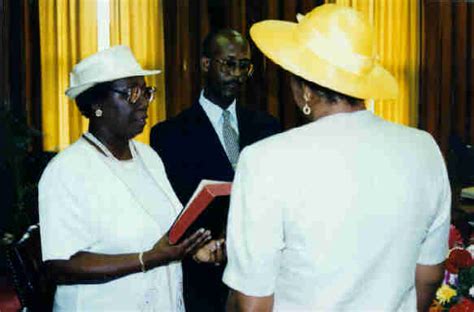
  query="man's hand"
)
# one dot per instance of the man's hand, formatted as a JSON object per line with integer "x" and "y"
{"x": 212, "y": 252}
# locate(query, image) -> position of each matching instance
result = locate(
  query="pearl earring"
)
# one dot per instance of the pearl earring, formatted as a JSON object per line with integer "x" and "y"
{"x": 98, "y": 112}
{"x": 306, "y": 108}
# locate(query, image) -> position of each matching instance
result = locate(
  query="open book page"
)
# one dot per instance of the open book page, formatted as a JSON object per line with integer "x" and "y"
{"x": 199, "y": 188}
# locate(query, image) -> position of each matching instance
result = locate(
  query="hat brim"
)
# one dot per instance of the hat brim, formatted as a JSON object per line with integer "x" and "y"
{"x": 73, "y": 92}
{"x": 277, "y": 40}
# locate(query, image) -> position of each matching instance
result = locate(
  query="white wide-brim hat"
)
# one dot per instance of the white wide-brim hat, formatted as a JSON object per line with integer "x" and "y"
{"x": 332, "y": 46}
{"x": 107, "y": 65}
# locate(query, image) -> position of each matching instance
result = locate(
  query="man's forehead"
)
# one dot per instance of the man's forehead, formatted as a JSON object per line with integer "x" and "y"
{"x": 230, "y": 45}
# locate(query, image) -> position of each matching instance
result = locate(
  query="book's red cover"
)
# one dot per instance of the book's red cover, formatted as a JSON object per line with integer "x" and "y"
{"x": 195, "y": 208}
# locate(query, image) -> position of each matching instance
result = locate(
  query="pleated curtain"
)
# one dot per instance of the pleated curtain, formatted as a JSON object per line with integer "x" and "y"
{"x": 139, "y": 24}
{"x": 68, "y": 33}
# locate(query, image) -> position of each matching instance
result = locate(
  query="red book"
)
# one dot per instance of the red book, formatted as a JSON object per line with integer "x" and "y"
{"x": 207, "y": 208}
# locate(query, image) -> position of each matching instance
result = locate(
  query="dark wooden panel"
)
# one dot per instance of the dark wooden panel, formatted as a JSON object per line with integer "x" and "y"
{"x": 31, "y": 74}
{"x": 272, "y": 76}
{"x": 460, "y": 68}
{"x": 255, "y": 94}
{"x": 169, "y": 9}
{"x": 15, "y": 59}
{"x": 430, "y": 77}
{"x": 422, "y": 94}
{"x": 184, "y": 41}
{"x": 470, "y": 73}
{"x": 20, "y": 81}
{"x": 4, "y": 54}
{"x": 446, "y": 84}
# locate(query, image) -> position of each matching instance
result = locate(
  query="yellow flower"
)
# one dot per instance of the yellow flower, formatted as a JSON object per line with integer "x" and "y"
{"x": 445, "y": 293}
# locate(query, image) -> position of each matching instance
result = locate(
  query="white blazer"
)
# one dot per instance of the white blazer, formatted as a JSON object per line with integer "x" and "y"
{"x": 336, "y": 214}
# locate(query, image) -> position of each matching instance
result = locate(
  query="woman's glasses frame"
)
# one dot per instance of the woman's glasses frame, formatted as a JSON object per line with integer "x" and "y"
{"x": 133, "y": 94}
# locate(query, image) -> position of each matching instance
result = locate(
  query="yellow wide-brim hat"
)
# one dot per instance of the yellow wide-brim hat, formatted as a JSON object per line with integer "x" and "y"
{"x": 332, "y": 46}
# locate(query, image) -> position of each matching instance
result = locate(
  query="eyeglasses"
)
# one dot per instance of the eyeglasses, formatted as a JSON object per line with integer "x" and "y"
{"x": 133, "y": 94}
{"x": 230, "y": 65}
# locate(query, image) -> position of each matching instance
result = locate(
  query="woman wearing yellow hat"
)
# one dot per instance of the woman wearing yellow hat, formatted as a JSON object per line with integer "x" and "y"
{"x": 346, "y": 212}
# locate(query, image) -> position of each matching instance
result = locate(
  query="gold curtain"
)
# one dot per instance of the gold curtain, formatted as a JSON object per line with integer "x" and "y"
{"x": 68, "y": 33}
{"x": 139, "y": 24}
{"x": 397, "y": 28}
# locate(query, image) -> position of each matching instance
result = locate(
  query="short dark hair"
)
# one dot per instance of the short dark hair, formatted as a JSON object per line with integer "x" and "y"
{"x": 207, "y": 44}
{"x": 330, "y": 95}
{"x": 209, "y": 41}
{"x": 95, "y": 94}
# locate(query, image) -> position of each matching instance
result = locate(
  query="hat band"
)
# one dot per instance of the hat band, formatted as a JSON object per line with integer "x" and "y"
{"x": 337, "y": 54}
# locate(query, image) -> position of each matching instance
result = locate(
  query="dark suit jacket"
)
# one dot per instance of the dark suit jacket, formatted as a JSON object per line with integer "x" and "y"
{"x": 191, "y": 151}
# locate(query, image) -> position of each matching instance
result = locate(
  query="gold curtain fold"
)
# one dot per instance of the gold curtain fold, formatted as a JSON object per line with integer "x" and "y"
{"x": 397, "y": 36}
{"x": 139, "y": 24}
{"x": 68, "y": 33}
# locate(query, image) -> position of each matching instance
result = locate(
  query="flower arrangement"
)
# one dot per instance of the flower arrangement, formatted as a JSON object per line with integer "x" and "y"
{"x": 457, "y": 291}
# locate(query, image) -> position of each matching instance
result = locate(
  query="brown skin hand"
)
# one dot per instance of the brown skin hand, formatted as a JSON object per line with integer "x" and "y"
{"x": 223, "y": 87}
{"x": 93, "y": 268}
{"x": 212, "y": 252}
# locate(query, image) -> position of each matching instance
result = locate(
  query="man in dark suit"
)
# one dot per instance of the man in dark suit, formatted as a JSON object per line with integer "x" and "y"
{"x": 203, "y": 142}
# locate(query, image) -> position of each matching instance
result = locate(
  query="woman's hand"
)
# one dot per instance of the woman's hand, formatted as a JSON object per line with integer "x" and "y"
{"x": 212, "y": 252}
{"x": 163, "y": 252}
{"x": 86, "y": 267}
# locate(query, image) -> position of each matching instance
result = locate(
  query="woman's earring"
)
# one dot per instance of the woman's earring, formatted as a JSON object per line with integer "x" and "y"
{"x": 306, "y": 108}
{"x": 98, "y": 112}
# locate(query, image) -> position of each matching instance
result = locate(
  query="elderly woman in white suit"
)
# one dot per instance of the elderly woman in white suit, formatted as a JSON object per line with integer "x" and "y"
{"x": 105, "y": 203}
{"x": 349, "y": 212}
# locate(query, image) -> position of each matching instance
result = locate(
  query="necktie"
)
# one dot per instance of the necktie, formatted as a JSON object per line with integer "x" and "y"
{"x": 231, "y": 139}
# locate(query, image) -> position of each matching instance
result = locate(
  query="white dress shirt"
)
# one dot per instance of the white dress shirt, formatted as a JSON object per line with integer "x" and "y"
{"x": 335, "y": 215}
{"x": 214, "y": 113}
